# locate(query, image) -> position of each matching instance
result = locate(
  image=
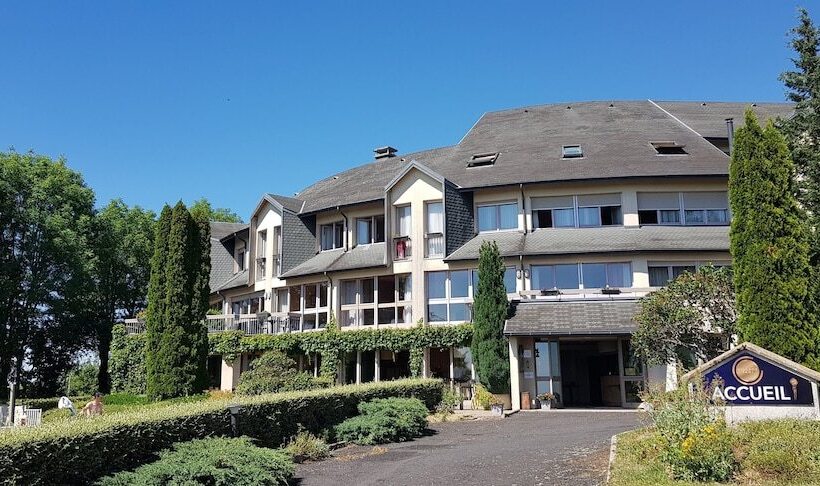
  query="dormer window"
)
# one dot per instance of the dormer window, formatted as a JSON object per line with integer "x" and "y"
{"x": 480, "y": 160}
{"x": 332, "y": 235}
{"x": 668, "y": 148}
{"x": 572, "y": 151}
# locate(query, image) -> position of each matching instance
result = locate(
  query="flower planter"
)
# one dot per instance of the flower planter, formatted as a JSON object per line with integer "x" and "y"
{"x": 497, "y": 409}
{"x": 546, "y": 405}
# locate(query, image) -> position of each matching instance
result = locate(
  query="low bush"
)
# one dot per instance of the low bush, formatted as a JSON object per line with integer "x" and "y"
{"x": 483, "y": 398}
{"x": 275, "y": 372}
{"x": 307, "y": 447}
{"x": 80, "y": 451}
{"x": 216, "y": 461}
{"x": 705, "y": 455}
{"x": 385, "y": 420}
{"x": 82, "y": 380}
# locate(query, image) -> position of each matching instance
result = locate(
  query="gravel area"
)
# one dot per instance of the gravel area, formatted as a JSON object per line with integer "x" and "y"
{"x": 528, "y": 448}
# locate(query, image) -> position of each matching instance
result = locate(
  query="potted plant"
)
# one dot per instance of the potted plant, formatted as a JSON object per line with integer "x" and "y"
{"x": 546, "y": 399}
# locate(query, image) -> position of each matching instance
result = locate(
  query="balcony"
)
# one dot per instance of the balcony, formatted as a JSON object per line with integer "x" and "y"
{"x": 262, "y": 323}
{"x": 261, "y": 267}
{"x": 608, "y": 293}
{"x": 434, "y": 245}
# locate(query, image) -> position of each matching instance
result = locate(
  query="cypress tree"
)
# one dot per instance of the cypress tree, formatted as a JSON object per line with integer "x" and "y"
{"x": 769, "y": 245}
{"x": 155, "y": 313}
{"x": 178, "y": 342}
{"x": 489, "y": 347}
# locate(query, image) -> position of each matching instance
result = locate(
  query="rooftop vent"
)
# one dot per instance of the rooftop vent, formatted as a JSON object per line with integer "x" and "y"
{"x": 572, "y": 151}
{"x": 668, "y": 148}
{"x": 480, "y": 160}
{"x": 384, "y": 152}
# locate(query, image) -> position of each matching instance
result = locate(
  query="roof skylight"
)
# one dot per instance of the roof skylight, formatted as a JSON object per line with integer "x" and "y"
{"x": 480, "y": 160}
{"x": 572, "y": 151}
{"x": 669, "y": 148}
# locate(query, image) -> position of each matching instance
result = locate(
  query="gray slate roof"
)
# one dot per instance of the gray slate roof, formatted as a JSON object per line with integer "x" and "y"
{"x": 239, "y": 279}
{"x": 572, "y": 318}
{"x": 222, "y": 262}
{"x": 709, "y": 118}
{"x": 289, "y": 203}
{"x": 362, "y": 256}
{"x": 615, "y": 138}
{"x": 614, "y": 239}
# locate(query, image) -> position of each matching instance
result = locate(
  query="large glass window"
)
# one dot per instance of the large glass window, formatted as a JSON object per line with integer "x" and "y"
{"x": 310, "y": 301}
{"x": 449, "y": 295}
{"x": 690, "y": 208}
{"x": 403, "y": 221}
{"x": 332, "y": 235}
{"x": 361, "y": 307}
{"x": 510, "y": 280}
{"x": 563, "y": 276}
{"x": 662, "y": 274}
{"x": 591, "y": 209}
{"x": 600, "y": 275}
{"x": 370, "y": 230}
{"x": 496, "y": 217}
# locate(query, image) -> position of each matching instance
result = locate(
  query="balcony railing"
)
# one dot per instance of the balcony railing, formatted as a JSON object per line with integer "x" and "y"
{"x": 247, "y": 323}
{"x": 435, "y": 245}
{"x": 402, "y": 249}
{"x": 261, "y": 266}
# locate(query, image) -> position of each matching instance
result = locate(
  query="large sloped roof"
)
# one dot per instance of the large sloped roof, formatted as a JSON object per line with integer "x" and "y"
{"x": 611, "y": 239}
{"x": 222, "y": 262}
{"x": 361, "y": 256}
{"x": 615, "y": 137}
{"x": 584, "y": 318}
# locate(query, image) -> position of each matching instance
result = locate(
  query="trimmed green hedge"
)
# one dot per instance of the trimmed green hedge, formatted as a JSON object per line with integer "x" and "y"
{"x": 385, "y": 420}
{"x": 81, "y": 450}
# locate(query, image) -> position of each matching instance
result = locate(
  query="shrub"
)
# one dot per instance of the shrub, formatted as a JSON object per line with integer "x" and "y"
{"x": 216, "y": 461}
{"x": 385, "y": 420}
{"x": 450, "y": 399}
{"x": 780, "y": 449}
{"x": 705, "y": 455}
{"x": 82, "y": 380}
{"x": 80, "y": 451}
{"x": 275, "y": 372}
{"x": 483, "y": 398}
{"x": 307, "y": 447}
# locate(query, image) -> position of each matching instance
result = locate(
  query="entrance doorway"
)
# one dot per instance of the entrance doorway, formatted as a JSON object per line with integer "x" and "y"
{"x": 590, "y": 376}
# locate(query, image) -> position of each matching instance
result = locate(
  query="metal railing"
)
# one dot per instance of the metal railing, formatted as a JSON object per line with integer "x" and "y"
{"x": 435, "y": 245}
{"x": 402, "y": 248}
{"x": 247, "y": 323}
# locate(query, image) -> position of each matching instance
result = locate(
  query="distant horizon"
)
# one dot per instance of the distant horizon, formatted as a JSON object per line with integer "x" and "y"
{"x": 157, "y": 103}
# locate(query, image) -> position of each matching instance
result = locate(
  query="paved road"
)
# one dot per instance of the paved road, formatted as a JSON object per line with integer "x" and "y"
{"x": 524, "y": 449}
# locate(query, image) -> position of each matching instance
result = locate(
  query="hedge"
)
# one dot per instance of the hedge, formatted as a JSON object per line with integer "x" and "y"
{"x": 127, "y": 351}
{"x": 80, "y": 450}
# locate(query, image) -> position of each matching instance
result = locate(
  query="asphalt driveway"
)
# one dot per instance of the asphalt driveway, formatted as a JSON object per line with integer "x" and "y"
{"x": 528, "y": 448}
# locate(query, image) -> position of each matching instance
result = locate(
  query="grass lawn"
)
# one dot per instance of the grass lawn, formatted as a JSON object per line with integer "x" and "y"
{"x": 782, "y": 452}
{"x": 122, "y": 402}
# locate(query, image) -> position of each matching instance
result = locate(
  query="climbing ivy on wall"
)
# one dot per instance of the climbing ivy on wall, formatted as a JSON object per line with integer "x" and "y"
{"x": 331, "y": 344}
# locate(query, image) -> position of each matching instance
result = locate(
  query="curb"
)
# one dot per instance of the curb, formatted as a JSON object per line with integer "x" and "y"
{"x": 612, "y": 447}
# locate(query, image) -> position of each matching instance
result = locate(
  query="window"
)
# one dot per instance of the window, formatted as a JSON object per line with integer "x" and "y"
{"x": 661, "y": 274}
{"x": 510, "y": 280}
{"x": 401, "y": 241}
{"x": 240, "y": 260}
{"x": 310, "y": 302}
{"x": 601, "y": 275}
{"x": 261, "y": 251}
{"x": 496, "y": 217}
{"x": 249, "y": 305}
{"x": 592, "y": 210}
{"x": 369, "y": 230}
{"x": 668, "y": 148}
{"x": 449, "y": 295}
{"x": 480, "y": 160}
{"x": 332, "y": 235}
{"x": 434, "y": 229}
{"x": 706, "y": 207}
{"x": 691, "y": 208}
{"x": 564, "y": 276}
{"x": 572, "y": 151}
{"x": 383, "y": 300}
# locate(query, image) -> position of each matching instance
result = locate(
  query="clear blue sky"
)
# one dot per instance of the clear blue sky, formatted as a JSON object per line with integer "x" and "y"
{"x": 160, "y": 101}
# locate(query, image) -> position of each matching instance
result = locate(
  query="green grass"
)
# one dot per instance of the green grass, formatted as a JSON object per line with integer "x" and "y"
{"x": 117, "y": 403}
{"x": 778, "y": 452}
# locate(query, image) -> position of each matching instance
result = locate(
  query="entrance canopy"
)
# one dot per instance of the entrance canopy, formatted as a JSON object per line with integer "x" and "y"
{"x": 581, "y": 318}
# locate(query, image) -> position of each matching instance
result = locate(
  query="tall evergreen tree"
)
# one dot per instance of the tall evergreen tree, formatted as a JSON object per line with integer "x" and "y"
{"x": 490, "y": 306}
{"x": 179, "y": 340}
{"x": 155, "y": 314}
{"x": 769, "y": 245}
{"x": 803, "y": 129}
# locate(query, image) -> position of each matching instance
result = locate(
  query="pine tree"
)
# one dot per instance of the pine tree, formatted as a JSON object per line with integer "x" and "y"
{"x": 489, "y": 347}
{"x": 155, "y": 314}
{"x": 769, "y": 245}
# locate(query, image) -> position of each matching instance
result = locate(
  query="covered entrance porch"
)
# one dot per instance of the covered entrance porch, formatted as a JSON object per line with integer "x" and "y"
{"x": 578, "y": 351}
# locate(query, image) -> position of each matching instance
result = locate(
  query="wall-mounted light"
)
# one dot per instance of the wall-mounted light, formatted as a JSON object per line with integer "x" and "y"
{"x": 522, "y": 273}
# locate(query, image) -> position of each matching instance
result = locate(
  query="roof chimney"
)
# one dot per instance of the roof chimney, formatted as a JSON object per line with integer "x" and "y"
{"x": 730, "y": 133}
{"x": 384, "y": 152}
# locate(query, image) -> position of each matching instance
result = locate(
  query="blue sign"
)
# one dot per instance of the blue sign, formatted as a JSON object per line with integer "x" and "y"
{"x": 750, "y": 380}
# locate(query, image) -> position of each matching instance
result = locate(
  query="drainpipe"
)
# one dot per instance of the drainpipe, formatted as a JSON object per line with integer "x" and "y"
{"x": 330, "y": 307}
{"x": 523, "y": 206}
{"x": 730, "y": 133}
